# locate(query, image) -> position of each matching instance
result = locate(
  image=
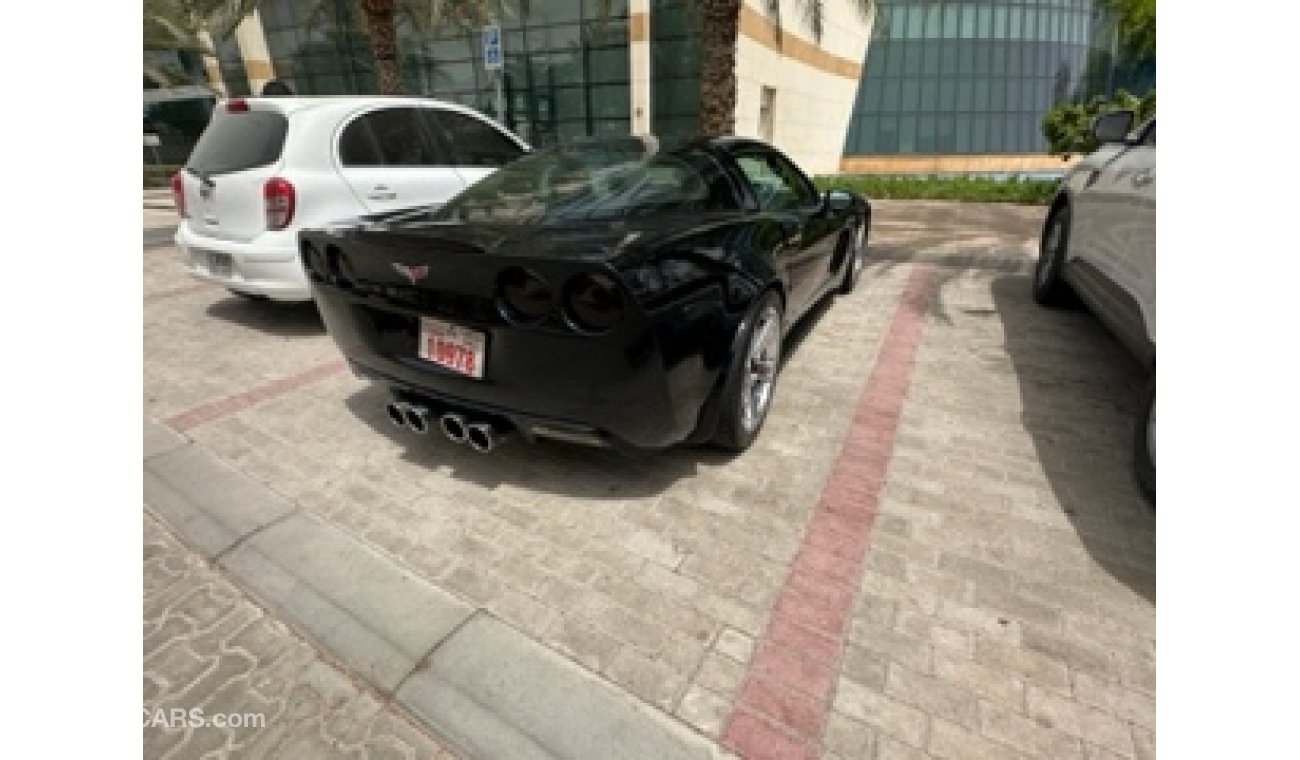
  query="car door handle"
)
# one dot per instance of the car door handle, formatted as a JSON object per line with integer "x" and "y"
{"x": 1144, "y": 178}
{"x": 382, "y": 193}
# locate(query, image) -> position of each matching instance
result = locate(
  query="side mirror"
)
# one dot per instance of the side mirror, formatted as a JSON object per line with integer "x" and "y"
{"x": 1112, "y": 127}
{"x": 836, "y": 201}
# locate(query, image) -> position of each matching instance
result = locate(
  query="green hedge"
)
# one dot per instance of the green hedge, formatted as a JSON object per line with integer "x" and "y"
{"x": 1068, "y": 126}
{"x": 959, "y": 188}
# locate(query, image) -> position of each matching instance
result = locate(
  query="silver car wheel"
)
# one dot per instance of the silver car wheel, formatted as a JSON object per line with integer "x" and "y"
{"x": 761, "y": 362}
{"x": 1052, "y": 251}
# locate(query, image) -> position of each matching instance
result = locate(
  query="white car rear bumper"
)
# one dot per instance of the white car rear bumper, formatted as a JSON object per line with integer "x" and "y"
{"x": 268, "y": 266}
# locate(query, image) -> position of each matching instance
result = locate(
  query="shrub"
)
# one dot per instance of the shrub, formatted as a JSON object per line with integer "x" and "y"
{"x": 959, "y": 188}
{"x": 1068, "y": 126}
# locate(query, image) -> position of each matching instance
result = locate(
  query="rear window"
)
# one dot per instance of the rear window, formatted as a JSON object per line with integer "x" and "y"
{"x": 603, "y": 179}
{"x": 237, "y": 141}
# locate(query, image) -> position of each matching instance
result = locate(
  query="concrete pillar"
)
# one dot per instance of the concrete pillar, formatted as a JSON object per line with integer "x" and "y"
{"x": 638, "y": 25}
{"x": 254, "y": 51}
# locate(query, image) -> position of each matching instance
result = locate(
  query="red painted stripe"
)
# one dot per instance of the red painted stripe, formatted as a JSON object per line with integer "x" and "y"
{"x": 180, "y": 291}
{"x": 224, "y": 407}
{"x": 781, "y": 709}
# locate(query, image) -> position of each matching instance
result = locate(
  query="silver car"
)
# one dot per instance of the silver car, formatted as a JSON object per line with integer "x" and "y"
{"x": 1099, "y": 246}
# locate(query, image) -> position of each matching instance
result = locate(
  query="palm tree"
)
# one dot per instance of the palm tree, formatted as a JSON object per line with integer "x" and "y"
{"x": 720, "y": 25}
{"x": 186, "y": 25}
{"x": 381, "y": 20}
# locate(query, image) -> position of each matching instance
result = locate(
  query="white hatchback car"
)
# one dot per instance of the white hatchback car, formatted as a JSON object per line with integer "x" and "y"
{"x": 266, "y": 167}
{"x": 1099, "y": 244}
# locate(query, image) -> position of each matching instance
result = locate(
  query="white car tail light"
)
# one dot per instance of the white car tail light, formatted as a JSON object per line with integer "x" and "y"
{"x": 178, "y": 194}
{"x": 280, "y": 199}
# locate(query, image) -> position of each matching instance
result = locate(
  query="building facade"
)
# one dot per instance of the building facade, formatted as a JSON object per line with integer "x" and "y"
{"x": 947, "y": 85}
{"x": 963, "y": 86}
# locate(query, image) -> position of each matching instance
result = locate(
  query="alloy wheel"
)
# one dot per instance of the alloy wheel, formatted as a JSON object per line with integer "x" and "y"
{"x": 761, "y": 362}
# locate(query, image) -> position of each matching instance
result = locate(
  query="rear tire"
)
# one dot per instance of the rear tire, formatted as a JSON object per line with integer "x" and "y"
{"x": 751, "y": 378}
{"x": 856, "y": 258}
{"x": 1049, "y": 287}
{"x": 1144, "y": 444}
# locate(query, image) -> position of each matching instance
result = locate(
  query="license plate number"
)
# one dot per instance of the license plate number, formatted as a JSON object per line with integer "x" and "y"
{"x": 219, "y": 264}
{"x": 457, "y": 348}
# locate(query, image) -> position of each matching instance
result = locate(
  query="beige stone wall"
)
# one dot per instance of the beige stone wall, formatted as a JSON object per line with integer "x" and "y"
{"x": 815, "y": 84}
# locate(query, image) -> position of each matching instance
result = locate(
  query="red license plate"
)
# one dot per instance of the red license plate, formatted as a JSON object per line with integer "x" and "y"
{"x": 457, "y": 348}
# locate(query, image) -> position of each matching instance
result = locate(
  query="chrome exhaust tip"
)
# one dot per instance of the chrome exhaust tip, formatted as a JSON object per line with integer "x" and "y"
{"x": 417, "y": 418}
{"x": 396, "y": 411}
{"x": 482, "y": 437}
{"x": 454, "y": 427}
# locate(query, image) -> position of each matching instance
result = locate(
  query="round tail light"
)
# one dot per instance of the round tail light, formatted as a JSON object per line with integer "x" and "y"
{"x": 593, "y": 302}
{"x": 525, "y": 296}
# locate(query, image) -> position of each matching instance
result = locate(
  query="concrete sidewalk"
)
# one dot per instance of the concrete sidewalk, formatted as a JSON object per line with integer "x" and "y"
{"x": 207, "y": 646}
{"x": 490, "y": 689}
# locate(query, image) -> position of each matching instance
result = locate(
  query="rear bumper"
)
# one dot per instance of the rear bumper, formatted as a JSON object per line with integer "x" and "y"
{"x": 266, "y": 266}
{"x": 613, "y": 389}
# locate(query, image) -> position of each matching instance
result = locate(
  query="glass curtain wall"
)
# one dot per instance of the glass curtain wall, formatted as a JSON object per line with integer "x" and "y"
{"x": 976, "y": 76}
{"x": 674, "y": 68}
{"x": 566, "y": 63}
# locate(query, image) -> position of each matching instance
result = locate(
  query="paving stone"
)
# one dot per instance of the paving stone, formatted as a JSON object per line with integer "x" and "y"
{"x": 227, "y": 671}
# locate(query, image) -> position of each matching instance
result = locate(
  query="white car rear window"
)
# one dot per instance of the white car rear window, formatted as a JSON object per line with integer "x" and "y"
{"x": 235, "y": 142}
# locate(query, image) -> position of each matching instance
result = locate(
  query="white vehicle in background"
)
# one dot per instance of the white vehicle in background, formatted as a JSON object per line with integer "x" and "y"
{"x": 266, "y": 167}
{"x": 1099, "y": 244}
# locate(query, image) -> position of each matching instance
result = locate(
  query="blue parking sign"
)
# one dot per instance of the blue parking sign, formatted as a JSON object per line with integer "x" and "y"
{"x": 492, "y": 47}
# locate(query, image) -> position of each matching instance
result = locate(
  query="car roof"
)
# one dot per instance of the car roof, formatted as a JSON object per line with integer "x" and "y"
{"x": 292, "y": 104}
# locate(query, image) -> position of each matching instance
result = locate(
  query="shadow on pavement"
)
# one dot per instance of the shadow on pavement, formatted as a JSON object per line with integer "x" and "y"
{"x": 559, "y": 468}
{"x": 287, "y": 320}
{"x": 1080, "y": 392}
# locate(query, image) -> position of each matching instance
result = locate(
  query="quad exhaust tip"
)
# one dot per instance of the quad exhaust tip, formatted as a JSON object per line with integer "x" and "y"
{"x": 482, "y": 437}
{"x": 417, "y": 418}
{"x": 396, "y": 411}
{"x": 454, "y": 427}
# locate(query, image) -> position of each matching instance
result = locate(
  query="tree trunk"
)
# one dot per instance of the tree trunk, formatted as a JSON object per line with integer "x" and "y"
{"x": 381, "y": 25}
{"x": 721, "y": 25}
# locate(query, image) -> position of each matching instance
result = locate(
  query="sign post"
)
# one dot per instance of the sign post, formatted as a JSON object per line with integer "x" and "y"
{"x": 492, "y": 61}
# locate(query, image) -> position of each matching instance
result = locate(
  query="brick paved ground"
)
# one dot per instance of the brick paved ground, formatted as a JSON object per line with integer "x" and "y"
{"x": 1005, "y": 605}
{"x": 207, "y": 646}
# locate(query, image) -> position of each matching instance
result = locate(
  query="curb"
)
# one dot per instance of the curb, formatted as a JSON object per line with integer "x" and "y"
{"x": 487, "y": 688}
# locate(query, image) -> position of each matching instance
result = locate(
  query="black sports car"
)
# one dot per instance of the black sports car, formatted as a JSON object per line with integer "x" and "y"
{"x": 623, "y": 292}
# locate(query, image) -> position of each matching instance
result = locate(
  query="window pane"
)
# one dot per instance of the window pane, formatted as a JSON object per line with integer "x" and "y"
{"x": 998, "y": 95}
{"x": 474, "y": 142}
{"x": 1015, "y": 13}
{"x": 981, "y": 95}
{"x": 947, "y": 94}
{"x": 931, "y": 57}
{"x": 950, "y": 15}
{"x": 933, "y": 22}
{"x": 967, "y": 14}
{"x": 912, "y": 59}
{"x": 926, "y": 131}
{"x": 1000, "y": 22}
{"x": 907, "y": 134}
{"x": 961, "y": 125}
{"x": 915, "y": 23}
{"x": 929, "y": 94}
{"x": 911, "y": 95}
{"x": 986, "y": 22}
{"x": 979, "y": 134}
{"x": 890, "y": 99}
{"x": 944, "y": 140}
{"x": 399, "y": 139}
{"x": 887, "y": 135}
{"x": 965, "y": 95}
{"x": 966, "y": 58}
